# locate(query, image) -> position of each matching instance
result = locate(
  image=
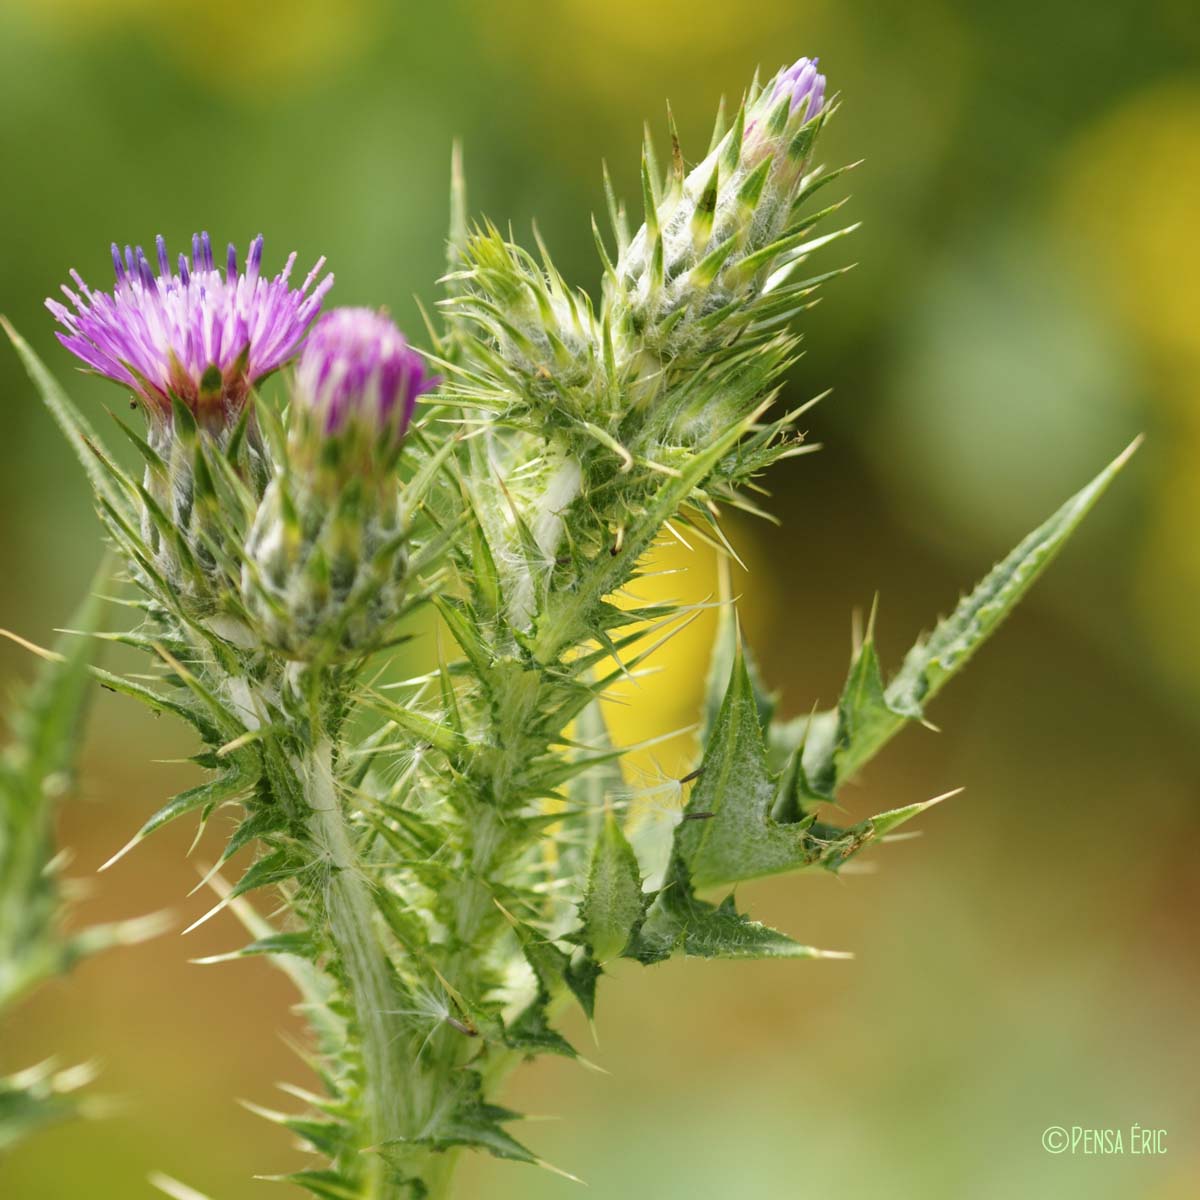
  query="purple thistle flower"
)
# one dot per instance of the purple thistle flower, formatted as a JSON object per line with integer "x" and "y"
{"x": 802, "y": 82}
{"x": 357, "y": 369}
{"x": 205, "y": 334}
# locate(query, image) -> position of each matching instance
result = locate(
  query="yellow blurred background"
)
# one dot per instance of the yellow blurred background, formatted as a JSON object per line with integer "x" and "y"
{"x": 1027, "y": 301}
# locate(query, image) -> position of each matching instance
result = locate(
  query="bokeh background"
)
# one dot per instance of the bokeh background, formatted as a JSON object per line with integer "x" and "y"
{"x": 1027, "y": 301}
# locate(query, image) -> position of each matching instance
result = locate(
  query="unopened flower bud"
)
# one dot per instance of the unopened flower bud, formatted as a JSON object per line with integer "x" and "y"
{"x": 326, "y": 558}
{"x": 712, "y": 238}
{"x": 803, "y": 86}
{"x": 359, "y": 379}
{"x": 775, "y": 119}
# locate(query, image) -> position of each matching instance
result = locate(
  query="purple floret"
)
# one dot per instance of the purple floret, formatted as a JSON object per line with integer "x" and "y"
{"x": 205, "y": 334}
{"x": 357, "y": 369}
{"x": 802, "y": 81}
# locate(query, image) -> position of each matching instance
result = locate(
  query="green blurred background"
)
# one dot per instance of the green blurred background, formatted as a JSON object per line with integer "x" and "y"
{"x": 1027, "y": 301}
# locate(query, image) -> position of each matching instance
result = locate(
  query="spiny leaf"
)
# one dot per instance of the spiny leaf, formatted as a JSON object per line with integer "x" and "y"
{"x": 724, "y": 654}
{"x": 298, "y": 943}
{"x": 935, "y": 660}
{"x": 235, "y": 782}
{"x": 464, "y": 1118}
{"x": 582, "y": 975}
{"x": 680, "y": 923}
{"x": 34, "y": 770}
{"x": 328, "y": 1138}
{"x": 465, "y": 631}
{"x": 729, "y": 832}
{"x": 551, "y": 966}
{"x": 424, "y": 728}
{"x": 158, "y": 702}
{"x": 738, "y": 824}
{"x": 326, "y": 1185}
{"x": 46, "y": 723}
{"x": 614, "y": 904}
{"x": 271, "y": 869}
{"x": 870, "y": 714}
{"x": 531, "y": 1033}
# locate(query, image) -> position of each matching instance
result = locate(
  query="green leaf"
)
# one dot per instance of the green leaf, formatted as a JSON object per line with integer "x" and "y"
{"x": 299, "y": 943}
{"x": 932, "y": 662}
{"x": 328, "y": 1138}
{"x": 870, "y": 714}
{"x": 724, "y": 652}
{"x": 464, "y": 1119}
{"x": 424, "y": 728}
{"x": 582, "y": 974}
{"x": 326, "y": 1185}
{"x": 552, "y": 967}
{"x": 160, "y": 703}
{"x": 614, "y": 904}
{"x": 232, "y": 784}
{"x": 679, "y": 922}
{"x": 273, "y": 868}
{"x": 728, "y": 832}
{"x": 47, "y": 724}
{"x": 33, "y": 770}
{"x": 731, "y": 829}
{"x": 530, "y": 1032}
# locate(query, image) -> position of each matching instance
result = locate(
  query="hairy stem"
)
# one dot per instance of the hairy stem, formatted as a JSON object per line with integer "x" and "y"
{"x": 368, "y": 972}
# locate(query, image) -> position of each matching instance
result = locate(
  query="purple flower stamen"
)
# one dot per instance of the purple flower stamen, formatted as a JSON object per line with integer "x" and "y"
{"x": 165, "y": 334}
{"x": 357, "y": 369}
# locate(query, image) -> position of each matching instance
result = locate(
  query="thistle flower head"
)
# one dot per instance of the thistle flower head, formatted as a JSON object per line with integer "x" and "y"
{"x": 803, "y": 84}
{"x": 713, "y": 238}
{"x": 203, "y": 334}
{"x": 357, "y": 370}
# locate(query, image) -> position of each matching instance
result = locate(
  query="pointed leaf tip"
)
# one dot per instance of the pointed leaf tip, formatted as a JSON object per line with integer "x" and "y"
{"x": 614, "y": 904}
{"x": 898, "y": 816}
{"x": 870, "y": 714}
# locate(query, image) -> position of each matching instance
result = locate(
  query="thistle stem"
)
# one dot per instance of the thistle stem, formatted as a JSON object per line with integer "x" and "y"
{"x": 368, "y": 972}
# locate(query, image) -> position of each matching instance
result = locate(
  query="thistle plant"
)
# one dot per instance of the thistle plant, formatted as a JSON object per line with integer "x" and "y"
{"x": 449, "y": 857}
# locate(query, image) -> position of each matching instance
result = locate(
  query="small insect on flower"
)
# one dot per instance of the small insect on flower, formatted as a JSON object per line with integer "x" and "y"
{"x": 358, "y": 376}
{"x": 203, "y": 335}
